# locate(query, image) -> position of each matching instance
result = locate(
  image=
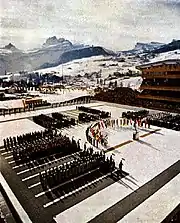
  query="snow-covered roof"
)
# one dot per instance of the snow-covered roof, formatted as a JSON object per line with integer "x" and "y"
{"x": 157, "y": 63}
{"x": 11, "y": 104}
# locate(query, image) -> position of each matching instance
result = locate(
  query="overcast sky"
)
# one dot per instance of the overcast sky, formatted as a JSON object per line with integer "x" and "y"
{"x": 114, "y": 24}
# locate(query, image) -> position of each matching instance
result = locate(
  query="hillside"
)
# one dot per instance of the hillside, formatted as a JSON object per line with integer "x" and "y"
{"x": 77, "y": 54}
{"x": 12, "y": 60}
{"x": 174, "y": 45}
{"x": 55, "y": 52}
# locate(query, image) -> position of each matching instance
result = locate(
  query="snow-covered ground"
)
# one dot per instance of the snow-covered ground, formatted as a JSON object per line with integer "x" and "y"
{"x": 106, "y": 67}
{"x": 64, "y": 95}
{"x": 144, "y": 159}
{"x": 175, "y": 54}
{"x": 89, "y": 69}
{"x": 145, "y": 211}
{"x": 60, "y": 96}
{"x": 92, "y": 64}
{"x": 17, "y": 127}
{"x": 18, "y": 103}
{"x": 44, "y": 111}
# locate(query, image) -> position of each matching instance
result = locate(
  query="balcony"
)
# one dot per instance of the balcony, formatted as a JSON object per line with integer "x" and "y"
{"x": 161, "y": 69}
{"x": 159, "y": 98}
{"x": 160, "y": 88}
{"x": 163, "y": 76}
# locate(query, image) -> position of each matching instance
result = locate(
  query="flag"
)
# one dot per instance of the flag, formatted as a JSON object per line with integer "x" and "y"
{"x": 102, "y": 124}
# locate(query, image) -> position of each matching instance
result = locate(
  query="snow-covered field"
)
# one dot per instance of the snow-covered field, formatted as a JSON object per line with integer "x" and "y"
{"x": 89, "y": 69}
{"x": 92, "y": 64}
{"x": 175, "y": 54}
{"x": 60, "y": 96}
{"x": 144, "y": 159}
{"x": 18, "y": 127}
{"x": 64, "y": 95}
{"x": 44, "y": 111}
{"x": 18, "y": 103}
{"x": 106, "y": 66}
{"x": 133, "y": 82}
{"x": 145, "y": 211}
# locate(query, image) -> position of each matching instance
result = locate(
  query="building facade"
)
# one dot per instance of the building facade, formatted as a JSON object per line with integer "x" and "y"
{"x": 161, "y": 81}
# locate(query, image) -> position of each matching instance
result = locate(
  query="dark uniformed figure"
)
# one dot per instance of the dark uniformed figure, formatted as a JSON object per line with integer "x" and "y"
{"x": 120, "y": 167}
{"x": 85, "y": 145}
{"x": 97, "y": 143}
{"x": 135, "y": 125}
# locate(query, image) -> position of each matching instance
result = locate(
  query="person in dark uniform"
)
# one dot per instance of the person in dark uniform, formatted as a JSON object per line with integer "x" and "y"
{"x": 135, "y": 127}
{"x": 85, "y": 147}
{"x": 120, "y": 167}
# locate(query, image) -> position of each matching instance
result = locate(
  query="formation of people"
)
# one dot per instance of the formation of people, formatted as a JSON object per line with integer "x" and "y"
{"x": 101, "y": 114}
{"x": 34, "y": 146}
{"x": 56, "y": 121}
{"x": 84, "y": 117}
{"x": 166, "y": 120}
{"x": 63, "y": 120}
{"x": 96, "y": 134}
{"x": 135, "y": 115}
{"x": 87, "y": 162}
{"x": 161, "y": 119}
{"x": 138, "y": 119}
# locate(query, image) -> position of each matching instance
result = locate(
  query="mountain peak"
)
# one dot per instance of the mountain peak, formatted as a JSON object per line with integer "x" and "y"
{"x": 54, "y": 41}
{"x": 143, "y": 47}
{"x": 10, "y": 46}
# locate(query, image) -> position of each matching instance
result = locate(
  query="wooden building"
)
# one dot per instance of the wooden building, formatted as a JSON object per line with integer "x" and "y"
{"x": 32, "y": 102}
{"x": 161, "y": 81}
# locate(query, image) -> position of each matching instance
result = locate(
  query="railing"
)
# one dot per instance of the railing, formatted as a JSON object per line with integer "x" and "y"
{"x": 160, "y": 88}
{"x": 160, "y": 98}
{"x": 163, "y": 76}
{"x": 161, "y": 69}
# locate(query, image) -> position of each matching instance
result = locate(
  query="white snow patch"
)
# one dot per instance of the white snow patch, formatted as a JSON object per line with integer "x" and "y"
{"x": 15, "y": 128}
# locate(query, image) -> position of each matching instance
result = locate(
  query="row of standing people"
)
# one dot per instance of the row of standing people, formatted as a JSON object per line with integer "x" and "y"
{"x": 10, "y": 142}
{"x": 89, "y": 161}
{"x": 53, "y": 143}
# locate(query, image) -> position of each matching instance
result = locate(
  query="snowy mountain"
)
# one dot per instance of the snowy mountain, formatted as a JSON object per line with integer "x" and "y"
{"x": 78, "y": 53}
{"x": 144, "y": 47}
{"x": 54, "y": 41}
{"x": 11, "y": 47}
{"x": 175, "y": 54}
{"x": 57, "y": 51}
{"x": 14, "y": 60}
{"x": 174, "y": 45}
{"x": 87, "y": 71}
{"x": 51, "y": 53}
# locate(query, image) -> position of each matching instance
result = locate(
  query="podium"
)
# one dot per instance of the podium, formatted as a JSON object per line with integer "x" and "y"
{"x": 135, "y": 135}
